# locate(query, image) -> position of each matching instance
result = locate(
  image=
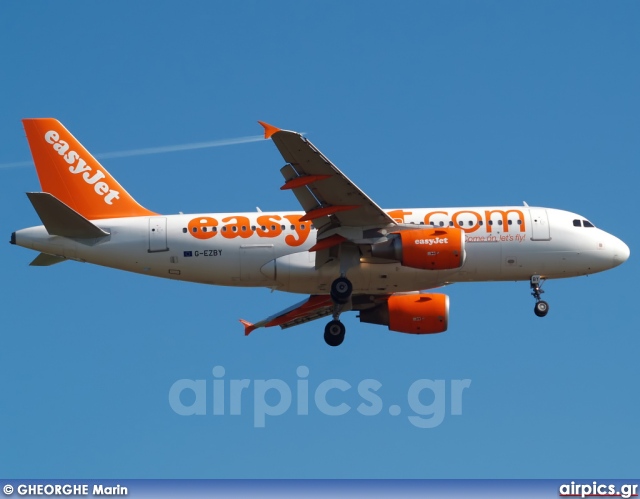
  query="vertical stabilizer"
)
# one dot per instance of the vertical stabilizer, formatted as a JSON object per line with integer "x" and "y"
{"x": 70, "y": 173}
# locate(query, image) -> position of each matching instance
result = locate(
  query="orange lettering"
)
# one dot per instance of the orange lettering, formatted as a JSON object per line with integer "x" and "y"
{"x": 427, "y": 217}
{"x": 271, "y": 224}
{"x": 398, "y": 215}
{"x": 240, "y": 228}
{"x": 473, "y": 228}
{"x": 202, "y": 228}
{"x": 504, "y": 219}
{"x": 302, "y": 230}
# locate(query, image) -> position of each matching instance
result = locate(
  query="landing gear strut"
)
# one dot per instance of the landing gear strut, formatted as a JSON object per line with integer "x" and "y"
{"x": 334, "y": 331}
{"x": 541, "y": 307}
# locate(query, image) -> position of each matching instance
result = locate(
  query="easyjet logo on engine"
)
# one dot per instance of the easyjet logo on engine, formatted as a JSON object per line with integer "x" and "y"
{"x": 79, "y": 166}
{"x": 435, "y": 240}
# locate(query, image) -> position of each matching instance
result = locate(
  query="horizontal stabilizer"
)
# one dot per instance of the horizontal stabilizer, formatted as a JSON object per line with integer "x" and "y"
{"x": 60, "y": 220}
{"x": 44, "y": 260}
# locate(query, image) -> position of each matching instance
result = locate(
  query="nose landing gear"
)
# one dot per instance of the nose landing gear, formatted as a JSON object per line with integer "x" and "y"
{"x": 541, "y": 307}
{"x": 334, "y": 331}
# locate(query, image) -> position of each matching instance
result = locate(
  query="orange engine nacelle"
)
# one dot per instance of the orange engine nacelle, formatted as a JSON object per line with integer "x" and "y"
{"x": 428, "y": 249}
{"x": 414, "y": 314}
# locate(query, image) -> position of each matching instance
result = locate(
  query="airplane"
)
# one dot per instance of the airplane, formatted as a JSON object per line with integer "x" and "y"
{"x": 342, "y": 250}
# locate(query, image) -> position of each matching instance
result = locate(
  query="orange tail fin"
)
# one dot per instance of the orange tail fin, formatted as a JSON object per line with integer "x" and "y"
{"x": 69, "y": 172}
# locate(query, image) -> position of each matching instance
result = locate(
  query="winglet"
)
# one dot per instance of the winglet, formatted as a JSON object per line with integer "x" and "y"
{"x": 269, "y": 130}
{"x": 248, "y": 327}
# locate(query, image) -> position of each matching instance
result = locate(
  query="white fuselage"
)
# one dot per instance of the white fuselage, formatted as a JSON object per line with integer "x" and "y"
{"x": 271, "y": 249}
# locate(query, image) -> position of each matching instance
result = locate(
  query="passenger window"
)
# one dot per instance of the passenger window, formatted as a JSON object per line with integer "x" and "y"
{"x": 480, "y": 222}
{"x": 283, "y": 227}
{"x": 461, "y": 223}
{"x": 263, "y": 227}
{"x": 302, "y": 227}
{"x": 224, "y": 229}
{"x": 577, "y": 223}
{"x": 293, "y": 227}
{"x": 184, "y": 230}
{"x": 273, "y": 227}
{"x": 587, "y": 223}
{"x": 234, "y": 228}
{"x": 244, "y": 227}
{"x": 215, "y": 229}
{"x": 253, "y": 227}
{"x": 510, "y": 222}
{"x": 204, "y": 229}
{"x": 499, "y": 222}
{"x": 519, "y": 222}
{"x": 451, "y": 223}
{"x": 470, "y": 223}
{"x": 490, "y": 222}
{"x": 441, "y": 224}
{"x": 195, "y": 229}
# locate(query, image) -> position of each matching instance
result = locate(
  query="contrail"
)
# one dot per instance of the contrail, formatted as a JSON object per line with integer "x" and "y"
{"x": 182, "y": 147}
{"x": 159, "y": 150}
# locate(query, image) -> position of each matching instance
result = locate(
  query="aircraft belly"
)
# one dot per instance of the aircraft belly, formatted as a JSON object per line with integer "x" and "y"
{"x": 482, "y": 262}
{"x": 296, "y": 273}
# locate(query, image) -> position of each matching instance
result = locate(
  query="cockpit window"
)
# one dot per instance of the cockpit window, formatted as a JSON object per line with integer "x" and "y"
{"x": 587, "y": 223}
{"x": 577, "y": 223}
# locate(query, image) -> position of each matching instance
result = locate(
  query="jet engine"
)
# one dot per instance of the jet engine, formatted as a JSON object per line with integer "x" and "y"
{"x": 412, "y": 313}
{"x": 427, "y": 249}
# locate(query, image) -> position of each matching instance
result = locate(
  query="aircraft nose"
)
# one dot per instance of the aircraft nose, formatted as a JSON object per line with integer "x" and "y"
{"x": 621, "y": 252}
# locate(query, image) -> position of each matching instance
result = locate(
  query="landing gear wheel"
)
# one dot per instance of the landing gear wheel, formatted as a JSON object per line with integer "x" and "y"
{"x": 334, "y": 333}
{"x": 541, "y": 309}
{"x": 341, "y": 290}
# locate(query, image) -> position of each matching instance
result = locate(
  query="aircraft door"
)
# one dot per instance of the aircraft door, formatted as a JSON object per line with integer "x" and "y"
{"x": 540, "y": 230}
{"x": 157, "y": 234}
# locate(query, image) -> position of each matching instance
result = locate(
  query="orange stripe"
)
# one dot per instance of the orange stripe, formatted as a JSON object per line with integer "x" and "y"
{"x": 327, "y": 210}
{"x": 302, "y": 181}
{"x": 313, "y": 303}
{"x": 328, "y": 242}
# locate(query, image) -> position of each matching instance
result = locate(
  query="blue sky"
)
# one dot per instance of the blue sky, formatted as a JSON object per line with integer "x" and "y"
{"x": 421, "y": 104}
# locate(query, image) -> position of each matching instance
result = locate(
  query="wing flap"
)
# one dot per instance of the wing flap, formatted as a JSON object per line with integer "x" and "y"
{"x": 314, "y": 307}
{"x": 321, "y": 188}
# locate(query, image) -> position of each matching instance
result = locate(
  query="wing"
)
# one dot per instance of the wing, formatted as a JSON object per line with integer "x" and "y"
{"x": 330, "y": 200}
{"x": 343, "y": 214}
{"x": 314, "y": 307}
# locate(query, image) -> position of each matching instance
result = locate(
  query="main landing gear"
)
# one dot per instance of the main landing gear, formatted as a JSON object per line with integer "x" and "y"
{"x": 334, "y": 331}
{"x": 341, "y": 290}
{"x": 541, "y": 307}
